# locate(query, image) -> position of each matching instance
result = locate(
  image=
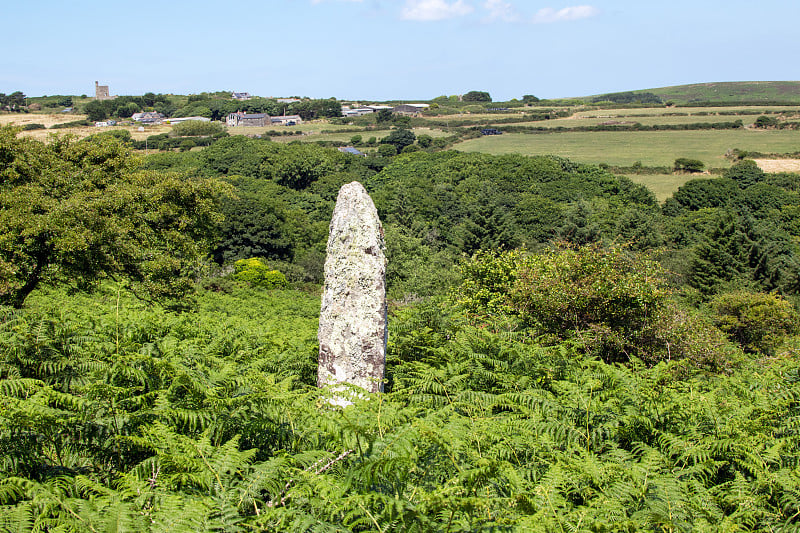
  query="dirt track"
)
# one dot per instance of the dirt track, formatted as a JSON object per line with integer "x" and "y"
{"x": 778, "y": 165}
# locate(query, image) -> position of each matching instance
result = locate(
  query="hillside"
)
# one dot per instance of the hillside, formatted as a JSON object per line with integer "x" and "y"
{"x": 731, "y": 92}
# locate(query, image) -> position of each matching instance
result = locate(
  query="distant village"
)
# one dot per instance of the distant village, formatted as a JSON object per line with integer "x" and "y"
{"x": 241, "y": 119}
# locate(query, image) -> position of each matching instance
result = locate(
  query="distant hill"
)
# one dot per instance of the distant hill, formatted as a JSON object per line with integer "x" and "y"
{"x": 729, "y": 92}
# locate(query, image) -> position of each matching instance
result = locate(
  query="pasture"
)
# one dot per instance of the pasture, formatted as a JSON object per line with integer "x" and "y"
{"x": 651, "y": 148}
{"x": 662, "y": 185}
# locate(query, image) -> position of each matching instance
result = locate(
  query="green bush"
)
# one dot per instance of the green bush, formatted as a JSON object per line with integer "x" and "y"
{"x": 196, "y": 128}
{"x": 255, "y": 272}
{"x": 683, "y": 164}
{"x": 387, "y": 150}
{"x": 186, "y": 145}
{"x": 607, "y": 301}
{"x": 759, "y": 322}
{"x": 33, "y": 126}
{"x": 766, "y": 122}
{"x": 745, "y": 173}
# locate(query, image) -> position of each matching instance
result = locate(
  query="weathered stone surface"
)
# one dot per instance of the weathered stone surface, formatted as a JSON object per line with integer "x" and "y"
{"x": 352, "y": 323}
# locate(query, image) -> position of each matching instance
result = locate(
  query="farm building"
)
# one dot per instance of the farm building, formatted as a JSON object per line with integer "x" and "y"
{"x": 286, "y": 120}
{"x": 148, "y": 117}
{"x": 409, "y": 109}
{"x": 247, "y": 119}
{"x": 357, "y": 112}
{"x": 186, "y": 119}
{"x": 241, "y": 96}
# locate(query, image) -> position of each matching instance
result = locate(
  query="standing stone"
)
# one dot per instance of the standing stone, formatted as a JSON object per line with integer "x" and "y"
{"x": 352, "y": 323}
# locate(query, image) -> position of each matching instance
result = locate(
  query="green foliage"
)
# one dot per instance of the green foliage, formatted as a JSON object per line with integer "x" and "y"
{"x": 387, "y": 150}
{"x": 256, "y": 273}
{"x": 606, "y": 302}
{"x": 766, "y": 122}
{"x": 400, "y": 138}
{"x": 118, "y": 416}
{"x": 78, "y": 212}
{"x": 195, "y": 128}
{"x": 745, "y": 173}
{"x": 683, "y": 164}
{"x": 476, "y": 96}
{"x": 758, "y": 322}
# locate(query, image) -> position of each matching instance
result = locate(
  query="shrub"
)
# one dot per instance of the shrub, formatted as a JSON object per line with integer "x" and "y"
{"x": 683, "y": 164}
{"x": 33, "y": 126}
{"x": 766, "y": 122}
{"x": 255, "y": 272}
{"x": 186, "y": 145}
{"x": 758, "y": 322}
{"x": 195, "y": 128}
{"x": 608, "y": 301}
{"x": 745, "y": 173}
{"x": 424, "y": 140}
{"x": 387, "y": 150}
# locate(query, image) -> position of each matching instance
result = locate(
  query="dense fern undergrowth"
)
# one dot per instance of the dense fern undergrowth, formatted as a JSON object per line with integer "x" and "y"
{"x": 119, "y": 416}
{"x": 564, "y": 353}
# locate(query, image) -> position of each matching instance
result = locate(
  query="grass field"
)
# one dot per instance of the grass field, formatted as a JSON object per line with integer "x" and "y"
{"x": 650, "y": 148}
{"x": 345, "y": 137}
{"x": 647, "y": 121}
{"x": 46, "y": 119}
{"x": 662, "y": 185}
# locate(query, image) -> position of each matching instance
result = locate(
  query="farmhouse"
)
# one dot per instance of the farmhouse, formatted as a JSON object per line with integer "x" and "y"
{"x": 247, "y": 119}
{"x": 286, "y": 120}
{"x": 148, "y": 117}
{"x": 241, "y": 96}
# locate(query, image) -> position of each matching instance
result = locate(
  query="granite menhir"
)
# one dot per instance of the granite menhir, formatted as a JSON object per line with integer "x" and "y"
{"x": 352, "y": 323}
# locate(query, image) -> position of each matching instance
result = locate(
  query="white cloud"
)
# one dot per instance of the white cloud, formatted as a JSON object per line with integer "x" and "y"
{"x": 428, "y": 10}
{"x": 500, "y": 10}
{"x": 548, "y": 14}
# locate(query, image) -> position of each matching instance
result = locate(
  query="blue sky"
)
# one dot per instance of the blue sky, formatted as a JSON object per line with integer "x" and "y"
{"x": 393, "y": 49}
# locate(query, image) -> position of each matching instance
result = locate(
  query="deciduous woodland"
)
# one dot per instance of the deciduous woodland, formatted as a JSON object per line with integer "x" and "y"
{"x": 565, "y": 352}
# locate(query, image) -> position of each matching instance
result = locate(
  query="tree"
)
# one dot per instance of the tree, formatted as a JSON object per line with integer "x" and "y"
{"x": 384, "y": 115}
{"x": 13, "y": 101}
{"x": 424, "y": 140}
{"x": 477, "y": 96}
{"x": 766, "y": 122}
{"x": 746, "y": 173}
{"x": 127, "y": 110}
{"x": 387, "y": 150}
{"x": 529, "y": 99}
{"x": 759, "y": 322}
{"x": 683, "y": 164}
{"x": 400, "y": 139}
{"x": 95, "y": 111}
{"x": 78, "y": 212}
